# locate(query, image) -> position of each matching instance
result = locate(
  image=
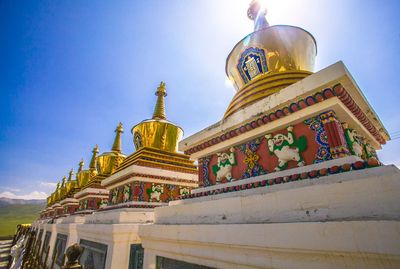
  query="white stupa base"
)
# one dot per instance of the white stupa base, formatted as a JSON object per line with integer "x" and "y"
{"x": 346, "y": 220}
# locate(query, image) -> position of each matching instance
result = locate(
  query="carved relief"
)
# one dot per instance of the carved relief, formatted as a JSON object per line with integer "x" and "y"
{"x": 223, "y": 168}
{"x": 155, "y": 192}
{"x": 287, "y": 148}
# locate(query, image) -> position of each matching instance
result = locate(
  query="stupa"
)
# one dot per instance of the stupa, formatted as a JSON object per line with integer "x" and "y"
{"x": 155, "y": 173}
{"x": 288, "y": 178}
{"x": 94, "y": 196}
{"x": 117, "y": 194}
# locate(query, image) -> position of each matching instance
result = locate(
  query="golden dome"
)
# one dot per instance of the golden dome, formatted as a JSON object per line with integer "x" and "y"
{"x": 268, "y": 60}
{"x": 84, "y": 176}
{"x": 108, "y": 162}
{"x": 157, "y": 132}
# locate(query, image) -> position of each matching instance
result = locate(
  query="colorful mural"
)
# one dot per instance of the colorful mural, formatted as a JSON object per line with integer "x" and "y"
{"x": 305, "y": 143}
{"x": 146, "y": 192}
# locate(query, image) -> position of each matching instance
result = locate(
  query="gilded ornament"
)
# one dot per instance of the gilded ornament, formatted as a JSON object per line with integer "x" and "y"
{"x": 108, "y": 162}
{"x": 157, "y": 132}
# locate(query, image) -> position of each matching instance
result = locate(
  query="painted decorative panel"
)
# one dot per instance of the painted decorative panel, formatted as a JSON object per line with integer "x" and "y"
{"x": 94, "y": 254}
{"x": 304, "y": 143}
{"x": 146, "y": 192}
{"x": 92, "y": 203}
{"x": 59, "y": 249}
{"x": 136, "y": 256}
{"x": 46, "y": 243}
{"x": 40, "y": 237}
{"x": 252, "y": 63}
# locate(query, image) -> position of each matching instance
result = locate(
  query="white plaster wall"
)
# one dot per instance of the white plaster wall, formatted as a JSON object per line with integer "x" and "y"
{"x": 357, "y": 195}
{"x": 118, "y": 238}
{"x": 349, "y": 244}
{"x": 122, "y": 215}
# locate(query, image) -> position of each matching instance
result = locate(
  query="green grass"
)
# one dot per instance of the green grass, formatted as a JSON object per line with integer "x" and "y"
{"x": 12, "y": 215}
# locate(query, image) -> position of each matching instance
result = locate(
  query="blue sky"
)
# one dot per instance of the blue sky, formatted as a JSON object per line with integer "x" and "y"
{"x": 71, "y": 70}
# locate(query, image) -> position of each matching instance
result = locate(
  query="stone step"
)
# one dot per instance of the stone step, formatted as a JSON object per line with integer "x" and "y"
{"x": 5, "y": 248}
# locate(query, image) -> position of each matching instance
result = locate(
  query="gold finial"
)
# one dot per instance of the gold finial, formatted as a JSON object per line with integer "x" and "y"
{"x": 92, "y": 166}
{"x": 58, "y": 185}
{"x": 256, "y": 12}
{"x": 117, "y": 141}
{"x": 81, "y": 163}
{"x": 63, "y": 181}
{"x": 71, "y": 174}
{"x": 159, "y": 110}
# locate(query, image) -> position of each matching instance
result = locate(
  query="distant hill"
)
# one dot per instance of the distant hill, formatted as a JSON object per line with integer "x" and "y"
{"x": 17, "y": 211}
{"x": 8, "y": 201}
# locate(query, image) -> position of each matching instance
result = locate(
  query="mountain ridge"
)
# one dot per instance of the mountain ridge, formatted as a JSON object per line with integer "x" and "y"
{"x": 9, "y": 201}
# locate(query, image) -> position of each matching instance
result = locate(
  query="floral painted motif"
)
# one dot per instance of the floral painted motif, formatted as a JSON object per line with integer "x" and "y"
{"x": 323, "y": 153}
{"x": 205, "y": 171}
{"x": 171, "y": 192}
{"x": 251, "y": 158}
{"x": 141, "y": 191}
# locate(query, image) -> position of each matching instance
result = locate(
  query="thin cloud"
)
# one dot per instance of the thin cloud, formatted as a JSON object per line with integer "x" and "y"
{"x": 31, "y": 196}
{"x": 10, "y": 189}
{"x": 48, "y": 184}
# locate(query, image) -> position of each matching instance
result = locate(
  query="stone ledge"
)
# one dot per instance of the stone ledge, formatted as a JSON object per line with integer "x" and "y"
{"x": 349, "y": 244}
{"x": 366, "y": 194}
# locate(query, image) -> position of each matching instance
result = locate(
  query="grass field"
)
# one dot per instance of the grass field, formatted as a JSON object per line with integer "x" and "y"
{"x": 12, "y": 215}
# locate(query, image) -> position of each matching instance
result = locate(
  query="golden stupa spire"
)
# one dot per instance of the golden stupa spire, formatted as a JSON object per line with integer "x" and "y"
{"x": 117, "y": 141}
{"x": 92, "y": 166}
{"x": 256, "y": 12}
{"x": 63, "y": 181}
{"x": 58, "y": 185}
{"x": 81, "y": 163}
{"x": 71, "y": 174}
{"x": 159, "y": 110}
